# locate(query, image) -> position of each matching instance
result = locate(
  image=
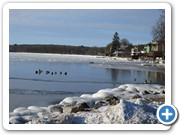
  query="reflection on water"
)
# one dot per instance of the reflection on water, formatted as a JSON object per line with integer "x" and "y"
{"x": 133, "y": 76}
{"x": 114, "y": 76}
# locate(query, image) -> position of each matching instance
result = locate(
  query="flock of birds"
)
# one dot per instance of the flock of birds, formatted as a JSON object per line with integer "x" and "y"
{"x": 39, "y": 71}
{"x": 145, "y": 81}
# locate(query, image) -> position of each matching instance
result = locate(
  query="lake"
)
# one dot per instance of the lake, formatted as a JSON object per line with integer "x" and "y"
{"x": 43, "y": 79}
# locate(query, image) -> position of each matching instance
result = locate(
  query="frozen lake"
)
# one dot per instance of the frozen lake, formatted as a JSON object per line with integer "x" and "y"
{"x": 85, "y": 74}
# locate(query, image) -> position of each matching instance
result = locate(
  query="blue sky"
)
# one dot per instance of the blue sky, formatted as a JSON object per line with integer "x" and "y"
{"x": 88, "y": 27}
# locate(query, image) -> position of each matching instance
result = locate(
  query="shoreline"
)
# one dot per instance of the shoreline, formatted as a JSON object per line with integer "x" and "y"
{"x": 126, "y": 104}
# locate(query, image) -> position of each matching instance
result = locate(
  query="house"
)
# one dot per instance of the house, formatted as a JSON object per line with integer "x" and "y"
{"x": 123, "y": 51}
{"x": 154, "y": 49}
{"x": 154, "y": 46}
{"x": 135, "y": 53}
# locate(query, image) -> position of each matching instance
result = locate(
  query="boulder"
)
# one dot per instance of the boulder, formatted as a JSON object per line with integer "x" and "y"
{"x": 163, "y": 92}
{"x": 99, "y": 104}
{"x": 17, "y": 120}
{"x": 55, "y": 108}
{"x": 145, "y": 92}
{"x": 76, "y": 108}
{"x": 136, "y": 96}
{"x": 111, "y": 100}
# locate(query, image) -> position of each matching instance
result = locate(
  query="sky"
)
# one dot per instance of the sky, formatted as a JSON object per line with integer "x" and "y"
{"x": 88, "y": 27}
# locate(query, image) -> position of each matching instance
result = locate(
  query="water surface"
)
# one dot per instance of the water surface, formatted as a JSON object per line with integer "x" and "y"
{"x": 27, "y": 87}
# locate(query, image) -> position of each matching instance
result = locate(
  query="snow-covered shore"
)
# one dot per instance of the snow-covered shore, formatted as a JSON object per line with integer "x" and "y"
{"x": 126, "y": 104}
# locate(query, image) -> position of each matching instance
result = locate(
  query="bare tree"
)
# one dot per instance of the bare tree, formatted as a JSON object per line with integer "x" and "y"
{"x": 158, "y": 30}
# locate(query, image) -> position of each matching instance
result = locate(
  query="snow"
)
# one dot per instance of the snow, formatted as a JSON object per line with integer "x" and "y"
{"x": 62, "y": 58}
{"x": 129, "y": 110}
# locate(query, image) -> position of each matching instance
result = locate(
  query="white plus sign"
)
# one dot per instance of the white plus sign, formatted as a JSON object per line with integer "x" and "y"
{"x": 167, "y": 114}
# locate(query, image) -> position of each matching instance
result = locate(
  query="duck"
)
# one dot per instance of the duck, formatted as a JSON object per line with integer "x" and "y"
{"x": 47, "y": 72}
{"x": 145, "y": 81}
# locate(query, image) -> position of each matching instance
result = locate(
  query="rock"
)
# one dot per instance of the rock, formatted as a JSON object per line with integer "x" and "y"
{"x": 145, "y": 92}
{"x": 55, "y": 108}
{"x": 155, "y": 93}
{"x": 17, "y": 120}
{"x": 36, "y": 109}
{"x": 19, "y": 109}
{"x": 136, "y": 96}
{"x": 64, "y": 119}
{"x": 163, "y": 92}
{"x": 99, "y": 104}
{"x": 76, "y": 108}
{"x": 68, "y": 119}
{"x": 85, "y": 105}
{"x": 111, "y": 100}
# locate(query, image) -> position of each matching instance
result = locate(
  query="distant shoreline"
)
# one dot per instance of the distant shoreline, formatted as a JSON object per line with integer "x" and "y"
{"x": 57, "y": 49}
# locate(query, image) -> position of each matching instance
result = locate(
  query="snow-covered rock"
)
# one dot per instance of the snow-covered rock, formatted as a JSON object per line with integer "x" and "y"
{"x": 126, "y": 104}
{"x": 55, "y": 108}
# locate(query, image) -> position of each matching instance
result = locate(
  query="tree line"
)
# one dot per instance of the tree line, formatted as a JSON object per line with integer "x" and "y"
{"x": 57, "y": 49}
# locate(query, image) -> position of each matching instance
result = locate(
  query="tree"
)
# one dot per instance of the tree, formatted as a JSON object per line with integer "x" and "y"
{"x": 115, "y": 43}
{"x": 158, "y": 30}
{"x": 125, "y": 41}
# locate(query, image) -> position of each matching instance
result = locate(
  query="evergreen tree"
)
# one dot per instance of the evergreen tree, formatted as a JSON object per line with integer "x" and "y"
{"x": 115, "y": 43}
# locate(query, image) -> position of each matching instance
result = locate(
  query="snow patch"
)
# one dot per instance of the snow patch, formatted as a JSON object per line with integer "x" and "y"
{"x": 137, "y": 104}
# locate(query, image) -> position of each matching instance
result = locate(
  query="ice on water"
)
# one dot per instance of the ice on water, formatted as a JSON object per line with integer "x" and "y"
{"x": 128, "y": 110}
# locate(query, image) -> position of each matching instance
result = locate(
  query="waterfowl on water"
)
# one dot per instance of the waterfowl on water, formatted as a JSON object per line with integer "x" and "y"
{"x": 47, "y": 72}
{"x": 38, "y": 71}
{"x": 145, "y": 81}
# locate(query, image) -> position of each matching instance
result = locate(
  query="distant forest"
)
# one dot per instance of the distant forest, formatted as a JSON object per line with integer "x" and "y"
{"x": 58, "y": 49}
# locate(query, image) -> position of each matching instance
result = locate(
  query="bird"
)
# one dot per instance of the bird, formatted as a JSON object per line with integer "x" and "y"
{"x": 47, "y": 72}
{"x": 40, "y": 71}
{"x": 36, "y": 72}
{"x": 65, "y": 73}
{"x": 145, "y": 81}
